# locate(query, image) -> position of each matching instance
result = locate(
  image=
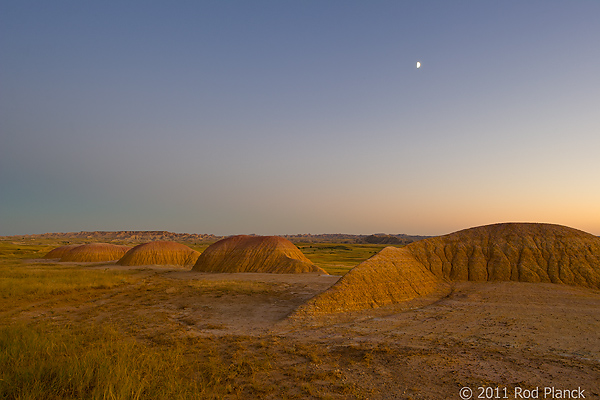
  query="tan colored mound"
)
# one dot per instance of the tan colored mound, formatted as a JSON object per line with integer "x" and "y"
{"x": 160, "y": 253}
{"x": 242, "y": 253}
{"x": 391, "y": 276}
{"x": 95, "y": 252}
{"x": 59, "y": 252}
{"x": 524, "y": 252}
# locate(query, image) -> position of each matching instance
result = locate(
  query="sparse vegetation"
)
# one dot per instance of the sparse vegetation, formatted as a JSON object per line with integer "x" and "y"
{"x": 39, "y": 281}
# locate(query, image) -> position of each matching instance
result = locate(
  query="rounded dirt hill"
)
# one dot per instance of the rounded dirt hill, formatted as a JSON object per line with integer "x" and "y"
{"x": 160, "y": 253}
{"x": 95, "y": 252}
{"x": 391, "y": 276}
{"x": 524, "y": 252}
{"x": 243, "y": 253}
{"x": 59, "y": 252}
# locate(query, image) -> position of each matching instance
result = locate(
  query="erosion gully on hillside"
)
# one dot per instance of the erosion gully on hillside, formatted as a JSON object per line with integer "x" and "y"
{"x": 492, "y": 334}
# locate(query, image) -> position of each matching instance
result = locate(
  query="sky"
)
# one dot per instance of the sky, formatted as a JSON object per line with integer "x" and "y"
{"x": 286, "y": 117}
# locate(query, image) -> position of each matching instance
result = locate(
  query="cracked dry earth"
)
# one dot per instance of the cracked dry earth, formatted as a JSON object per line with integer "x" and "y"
{"x": 486, "y": 334}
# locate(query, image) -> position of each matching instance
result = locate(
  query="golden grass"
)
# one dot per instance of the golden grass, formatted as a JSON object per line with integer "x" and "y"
{"x": 28, "y": 282}
{"x": 11, "y": 251}
{"x": 46, "y": 361}
{"x": 89, "y": 363}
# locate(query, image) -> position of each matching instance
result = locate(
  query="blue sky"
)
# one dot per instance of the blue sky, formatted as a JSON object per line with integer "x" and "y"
{"x": 275, "y": 117}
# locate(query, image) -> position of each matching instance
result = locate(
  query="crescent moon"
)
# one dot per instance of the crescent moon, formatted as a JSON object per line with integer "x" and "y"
{"x": 418, "y": 64}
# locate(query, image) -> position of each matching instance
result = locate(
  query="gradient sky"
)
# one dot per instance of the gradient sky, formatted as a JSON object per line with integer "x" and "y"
{"x": 275, "y": 117}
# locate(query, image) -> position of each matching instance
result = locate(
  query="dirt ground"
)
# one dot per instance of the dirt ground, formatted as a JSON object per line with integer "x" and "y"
{"x": 507, "y": 336}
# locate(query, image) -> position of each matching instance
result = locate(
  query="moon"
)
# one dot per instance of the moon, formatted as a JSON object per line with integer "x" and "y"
{"x": 418, "y": 64}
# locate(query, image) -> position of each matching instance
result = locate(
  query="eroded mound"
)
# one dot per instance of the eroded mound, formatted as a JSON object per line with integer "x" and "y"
{"x": 524, "y": 252}
{"x": 95, "y": 252}
{"x": 243, "y": 253}
{"x": 391, "y": 276}
{"x": 160, "y": 253}
{"x": 59, "y": 252}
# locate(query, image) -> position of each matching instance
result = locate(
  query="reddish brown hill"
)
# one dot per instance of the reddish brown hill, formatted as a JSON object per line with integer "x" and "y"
{"x": 59, "y": 252}
{"x": 390, "y": 276}
{"x": 95, "y": 252}
{"x": 160, "y": 253}
{"x": 525, "y": 252}
{"x": 242, "y": 253}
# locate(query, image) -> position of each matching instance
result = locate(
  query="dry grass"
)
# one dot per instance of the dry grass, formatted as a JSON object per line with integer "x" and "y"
{"x": 29, "y": 282}
{"x": 45, "y": 361}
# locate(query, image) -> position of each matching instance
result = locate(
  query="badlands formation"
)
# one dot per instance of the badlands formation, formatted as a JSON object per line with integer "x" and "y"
{"x": 94, "y": 252}
{"x": 522, "y": 252}
{"x": 160, "y": 253}
{"x": 243, "y": 253}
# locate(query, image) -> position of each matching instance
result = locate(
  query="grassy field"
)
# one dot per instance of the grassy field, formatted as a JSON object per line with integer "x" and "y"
{"x": 338, "y": 259}
{"x": 27, "y": 282}
{"x": 44, "y": 355}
